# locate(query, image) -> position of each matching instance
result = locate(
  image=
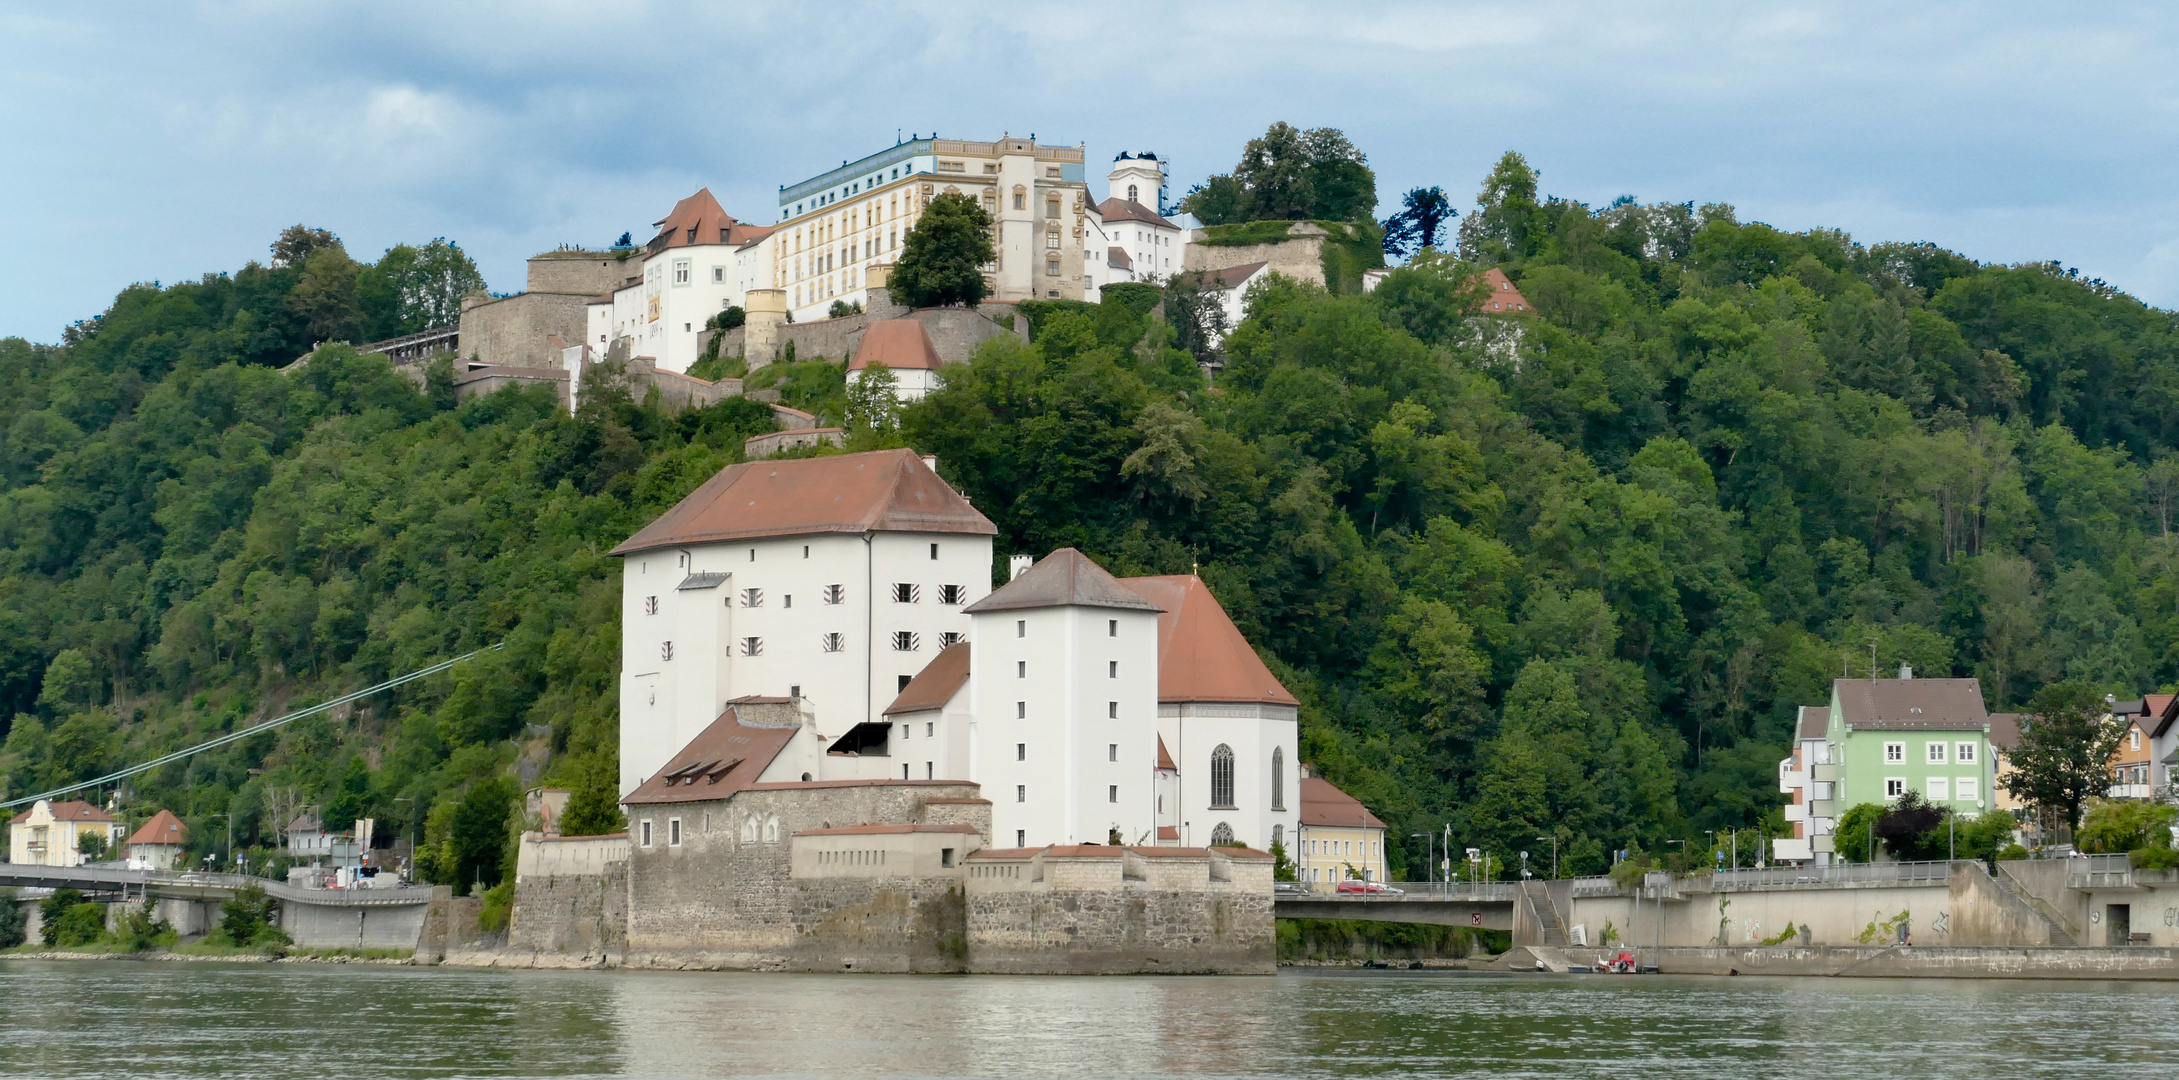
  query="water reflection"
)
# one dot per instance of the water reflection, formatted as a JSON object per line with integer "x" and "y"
{"x": 120, "y": 1019}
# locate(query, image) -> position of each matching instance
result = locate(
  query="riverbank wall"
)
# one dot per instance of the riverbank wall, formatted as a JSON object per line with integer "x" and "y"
{"x": 1875, "y": 962}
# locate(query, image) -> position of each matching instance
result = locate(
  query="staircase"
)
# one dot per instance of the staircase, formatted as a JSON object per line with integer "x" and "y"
{"x": 2060, "y": 930}
{"x": 1544, "y": 914}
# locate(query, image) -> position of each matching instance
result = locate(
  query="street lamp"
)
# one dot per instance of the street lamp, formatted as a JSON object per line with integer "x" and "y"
{"x": 1554, "y": 855}
{"x": 1524, "y": 866}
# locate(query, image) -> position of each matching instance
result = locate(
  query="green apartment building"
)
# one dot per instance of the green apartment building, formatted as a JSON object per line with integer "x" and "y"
{"x": 1891, "y": 736}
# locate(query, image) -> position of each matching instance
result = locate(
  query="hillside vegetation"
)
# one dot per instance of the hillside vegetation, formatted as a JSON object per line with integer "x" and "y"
{"x": 1553, "y": 576}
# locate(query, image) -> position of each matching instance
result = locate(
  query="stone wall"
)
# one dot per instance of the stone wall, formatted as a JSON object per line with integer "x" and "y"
{"x": 955, "y": 332}
{"x": 581, "y": 918}
{"x": 726, "y": 896}
{"x": 331, "y": 926}
{"x": 584, "y": 273}
{"x": 1133, "y": 911}
{"x": 1300, "y": 256}
{"x": 516, "y": 331}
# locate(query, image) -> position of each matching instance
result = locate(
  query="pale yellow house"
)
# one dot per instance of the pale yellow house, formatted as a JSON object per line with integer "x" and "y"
{"x": 51, "y": 833}
{"x": 1338, "y": 837}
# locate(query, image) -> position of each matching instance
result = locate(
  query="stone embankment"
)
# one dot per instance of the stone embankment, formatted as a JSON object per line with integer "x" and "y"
{"x": 1871, "y": 961}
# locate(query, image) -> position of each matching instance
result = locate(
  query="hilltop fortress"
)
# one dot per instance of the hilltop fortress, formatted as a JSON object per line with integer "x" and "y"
{"x": 841, "y": 749}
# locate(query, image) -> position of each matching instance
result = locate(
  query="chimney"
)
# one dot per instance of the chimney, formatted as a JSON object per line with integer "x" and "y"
{"x": 1016, "y": 564}
{"x": 1905, "y": 672}
{"x": 930, "y": 461}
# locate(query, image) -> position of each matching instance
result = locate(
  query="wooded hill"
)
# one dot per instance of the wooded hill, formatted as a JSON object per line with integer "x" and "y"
{"x": 1569, "y": 581}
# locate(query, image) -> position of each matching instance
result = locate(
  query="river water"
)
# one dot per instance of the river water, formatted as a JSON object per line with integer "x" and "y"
{"x": 164, "y": 1019}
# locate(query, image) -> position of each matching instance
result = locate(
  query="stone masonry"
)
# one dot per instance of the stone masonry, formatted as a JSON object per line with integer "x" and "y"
{"x": 1091, "y": 909}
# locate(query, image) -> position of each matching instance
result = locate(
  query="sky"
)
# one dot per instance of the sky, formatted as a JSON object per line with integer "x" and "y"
{"x": 159, "y": 142}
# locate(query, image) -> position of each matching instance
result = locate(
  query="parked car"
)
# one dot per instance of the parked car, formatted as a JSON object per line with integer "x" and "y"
{"x": 1290, "y": 888}
{"x": 1370, "y": 888}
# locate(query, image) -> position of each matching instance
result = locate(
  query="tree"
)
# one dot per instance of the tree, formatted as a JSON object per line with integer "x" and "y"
{"x": 873, "y": 405}
{"x": 480, "y": 831}
{"x": 1912, "y": 827}
{"x": 70, "y": 682}
{"x": 1197, "y": 313}
{"x": 1856, "y": 832}
{"x": 14, "y": 921}
{"x": 1289, "y": 174}
{"x": 92, "y": 846}
{"x": 298, "y": 242}
{"x": 1420, "y": 222}
{"x": 427, "y": 284}
{"x": 2066, "y": 740}
{"x": 2113, "y": 825}
{"x": 592, "y": 808}
{"x": 942, "y": 261}
{"x": 1509, "y": 220}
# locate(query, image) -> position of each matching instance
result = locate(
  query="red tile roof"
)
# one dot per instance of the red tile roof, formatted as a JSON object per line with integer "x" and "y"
{"x": 882, "y": 491}
{"x": 936, "y": 684}
{"x": 1117, "y": 256}
{"x": 163, "y": 828}
{"x": 900, "y": 344}
{"x": 699, "y": 219}
{"x": 1130, "y": 210}
{"x": 724, "y": 758}
{"x": 1505, "y": 299}
{"x": 1233, "y": 277}
{"x": 1165, "y": 760}
{"x": 1201, "y": 654}
{"x": 1325, "y": 806}
{"x": 72, "y": 810}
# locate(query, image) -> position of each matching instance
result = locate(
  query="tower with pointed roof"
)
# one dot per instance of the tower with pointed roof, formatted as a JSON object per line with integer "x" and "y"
{"x": 1064, "y": 698}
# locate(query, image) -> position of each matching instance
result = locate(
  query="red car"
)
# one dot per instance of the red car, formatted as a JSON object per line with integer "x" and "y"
{"x": 1371, "y": 888}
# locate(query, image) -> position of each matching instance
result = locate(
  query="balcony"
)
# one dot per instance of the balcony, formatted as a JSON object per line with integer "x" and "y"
{"x": 1824, "y": 843}
{"x": 1790, "y": 780}
{"x": 1788, "y": 849}
{"x": 2100, "y": 872}
{"x": 1796, "y": 811}
{"x": 2137, "y": 792}
{"x": 1825, "y": 808}
{"x": 1823, "y": 772}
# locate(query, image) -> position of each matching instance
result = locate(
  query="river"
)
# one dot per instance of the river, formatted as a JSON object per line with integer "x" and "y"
{"x": 165, "y": 1019}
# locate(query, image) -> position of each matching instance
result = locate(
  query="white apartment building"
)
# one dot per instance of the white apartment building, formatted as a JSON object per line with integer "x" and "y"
{"x": 847, "y": 598}
{"x": 830, "y": 580}
{"x": 1809, "y": 777}
{"x": 700, "y": 263}
{"x": 835, "y": 227}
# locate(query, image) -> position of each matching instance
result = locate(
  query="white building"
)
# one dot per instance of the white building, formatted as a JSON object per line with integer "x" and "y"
{"x": 902, "y": 347}
{"x": 1809, "y": 777}
{"x": 829, "y": 580}
{"x": 839, "y": 597}
{"x": 837, "y": 226}
{"x": 1141, "y": 243}
{"x": 1063, "y": 700}
{"x": 700, "y": 263}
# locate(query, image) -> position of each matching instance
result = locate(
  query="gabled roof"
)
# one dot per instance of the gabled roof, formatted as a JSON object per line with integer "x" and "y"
{"x": 2004, "y": 730}
{"x": 722, "y": 759}
{"x": 936, "y": 684}
{"x": 1117, "y": 256}
{"x": 1911, "y": 704}
{"x": 1815, "y": 720}
{"x": 879, "y": 491}
{"x": 1233, "y": 277}
{"x": 72, "y": 810}
{"x": 1201, "y": 654}
{"x": 307, "y": 821}
{"x": 1165, "y": 760}
{"x": 1504, "y": 298}
{"x": 1130, "y": 210}
{"x": 163, "y": 828}
{"x": 699, "y": 219}
{"x": 2166, "y": 711}
{"x": 900, "y": 344}
{"x": 1064, "y": 578}
{"x": 1325, "y": 806}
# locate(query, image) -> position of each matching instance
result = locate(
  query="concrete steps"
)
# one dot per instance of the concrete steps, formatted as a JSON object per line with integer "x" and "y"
{"x": 2060, "y": 931}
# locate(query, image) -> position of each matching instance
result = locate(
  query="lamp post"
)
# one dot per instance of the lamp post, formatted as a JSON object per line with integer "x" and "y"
{"x": 1712, "y": 834}
{"x": 1554, "y": 855}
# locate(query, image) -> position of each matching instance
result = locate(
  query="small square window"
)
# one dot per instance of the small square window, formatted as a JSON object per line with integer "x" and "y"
{"x": 1894, "y": 786}
{"x": 1935, "y": 752}
{"x": 1937, "y": 788}
{"x": 1895, "y": 751}
{"x": 1964, "y": 753}
{"x": 905, "y": 680}
{"x": 786, "y": 600}
{"x": 1967, "y": 788}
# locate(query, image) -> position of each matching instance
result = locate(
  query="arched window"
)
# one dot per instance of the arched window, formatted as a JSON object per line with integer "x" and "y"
{"x": 1222, "y": 835}
{"x": 1278, "y": 778}
{"x": 1131, "y": 194}
{"x": 749, "y": 827}
{"x": 771, "y": 829}
{"x": 1222, "y": 778}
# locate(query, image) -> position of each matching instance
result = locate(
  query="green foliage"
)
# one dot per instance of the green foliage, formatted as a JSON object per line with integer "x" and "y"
{"x": 91, "y": 844}
{"x": 593, "y": 807}
{"x": 478, "y": 835}
{"x": 817, "y": 386}
{"x": 51, "y": 910}
{"x": 1912, "y": 829}
{"x": 14, "y": 921}
{"x": 2155, "y": 857}
{"x": 79, "y": 925}
{"x": 498, "y": 908}
{"x": 1855, "y": 832}
{"x": 245, "y": 919}
{"x": 1289, "y": 174}
{"x": 942, "y": 258}
{"x": 137, "y": 928}
{"x": 2112, "y": 825}
{"x": 2066, "y": 740}
{"x": 1353, "y": 939}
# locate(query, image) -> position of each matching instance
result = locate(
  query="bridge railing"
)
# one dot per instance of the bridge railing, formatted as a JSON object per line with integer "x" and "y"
{"x": 1401, "y": 891}
{"x": 1893, "y": 873}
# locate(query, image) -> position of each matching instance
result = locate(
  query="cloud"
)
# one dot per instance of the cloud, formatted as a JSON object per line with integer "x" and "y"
{"x": 2007, "y": 131}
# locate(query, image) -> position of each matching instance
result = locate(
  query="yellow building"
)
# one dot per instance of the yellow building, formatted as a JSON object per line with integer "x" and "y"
{"x": 1338, "y": 838}
{"x": 51, "y": 833}
{"x": 834, "y": 228}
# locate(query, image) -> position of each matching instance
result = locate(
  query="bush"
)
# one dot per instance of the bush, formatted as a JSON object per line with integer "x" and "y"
{"x": 2154, "y": 858}
{"x": 52, "y": 909}
{"x": 14, "y": 921}
{"x": 2011, "y": 852}
{"x": 139, "y": 929}
{"x": 246, "y": 920}
{"x": 82, "y": 924}
{"x": 498, "y": 908}
{"x": 2111, "y": 825}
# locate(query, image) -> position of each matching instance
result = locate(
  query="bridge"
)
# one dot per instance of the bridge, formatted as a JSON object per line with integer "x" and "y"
{"x": 1487, "y": 905}
{"x": 391, "y": 917}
